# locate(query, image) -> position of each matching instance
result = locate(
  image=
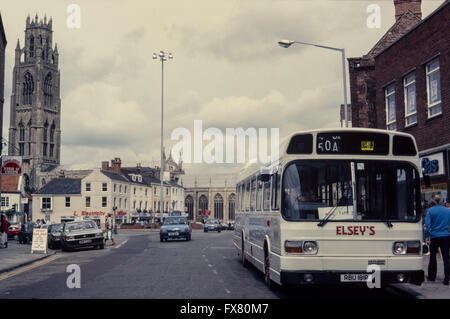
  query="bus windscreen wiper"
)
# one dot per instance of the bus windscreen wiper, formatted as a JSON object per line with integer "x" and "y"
{"x": 325, "y": 220}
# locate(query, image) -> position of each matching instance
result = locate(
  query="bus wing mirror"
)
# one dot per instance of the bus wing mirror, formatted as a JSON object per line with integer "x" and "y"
{"x": 265, "y": 177}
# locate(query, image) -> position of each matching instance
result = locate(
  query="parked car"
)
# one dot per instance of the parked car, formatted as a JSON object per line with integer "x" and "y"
{"x": 212, "y": 225}
{"x": 224, "y": 226}
{"x": 54, "y": 236}
{"x": 14, "y": 230}
{"x": 81, "y": 234}
{"x": 175, "y": 227}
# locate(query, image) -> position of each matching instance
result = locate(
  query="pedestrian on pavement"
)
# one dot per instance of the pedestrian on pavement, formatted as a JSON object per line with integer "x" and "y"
{"x": 4, "y": 231}
{"x": 437, "y": 222}
{"x": 29, "y": 231}
{"x": 109, "y": 229}
{"x": 447, "y": 203}
{"x": 38, "y": 224}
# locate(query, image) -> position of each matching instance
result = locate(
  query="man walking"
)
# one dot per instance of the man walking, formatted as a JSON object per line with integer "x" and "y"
{"x": 109, "y": 229}
{"x": 437, "y": 222}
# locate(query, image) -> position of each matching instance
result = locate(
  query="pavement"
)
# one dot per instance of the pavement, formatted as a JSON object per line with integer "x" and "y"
{"x": 428, "y": 289}
{"x": 19, "y": 255}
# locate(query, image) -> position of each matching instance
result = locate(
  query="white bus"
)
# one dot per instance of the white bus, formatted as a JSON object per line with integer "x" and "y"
{"x": 336, "y": 202}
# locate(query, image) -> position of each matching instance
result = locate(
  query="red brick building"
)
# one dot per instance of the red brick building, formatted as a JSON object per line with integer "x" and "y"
{"x": 404, "y": 86}
{"x": 362, "y": 69}
{"x": 413, "y": 91}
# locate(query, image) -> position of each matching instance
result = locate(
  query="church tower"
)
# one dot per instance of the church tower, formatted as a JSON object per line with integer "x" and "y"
{"x": 35, "y": 122}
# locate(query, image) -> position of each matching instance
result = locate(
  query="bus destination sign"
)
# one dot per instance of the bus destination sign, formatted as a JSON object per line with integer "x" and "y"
{"x": 352, "y": 143}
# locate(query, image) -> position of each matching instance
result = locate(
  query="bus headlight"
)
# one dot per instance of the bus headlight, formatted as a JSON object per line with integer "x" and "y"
{"x": 310, "y": 247}
{"x": 399, "y": 248}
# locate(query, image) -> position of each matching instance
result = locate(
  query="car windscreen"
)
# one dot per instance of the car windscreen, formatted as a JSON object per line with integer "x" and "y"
{"x": 175, "y": 221}
{"x": 77, "y": 226}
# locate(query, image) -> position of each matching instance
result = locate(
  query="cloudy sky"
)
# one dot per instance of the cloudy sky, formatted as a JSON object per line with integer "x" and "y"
{"x": 227, "y": 71}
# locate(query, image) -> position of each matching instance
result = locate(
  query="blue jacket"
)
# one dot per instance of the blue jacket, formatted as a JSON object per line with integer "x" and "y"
{"x": 437, "y": 222}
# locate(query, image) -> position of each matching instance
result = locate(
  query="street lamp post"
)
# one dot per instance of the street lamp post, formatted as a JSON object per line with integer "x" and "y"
{"x": 163, "y": 56}
{"x": 288, "y": 43}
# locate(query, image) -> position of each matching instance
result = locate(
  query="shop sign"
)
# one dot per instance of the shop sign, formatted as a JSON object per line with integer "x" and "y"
{"x": 432, "y": 164}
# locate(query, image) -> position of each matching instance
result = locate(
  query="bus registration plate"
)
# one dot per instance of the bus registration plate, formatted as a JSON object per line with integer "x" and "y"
{"x": 354, "y": 277}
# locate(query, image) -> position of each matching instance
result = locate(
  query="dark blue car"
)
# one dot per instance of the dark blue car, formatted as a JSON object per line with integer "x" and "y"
{"x": 175, "y": 227}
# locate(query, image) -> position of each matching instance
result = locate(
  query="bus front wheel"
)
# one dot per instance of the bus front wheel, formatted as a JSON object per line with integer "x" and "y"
{"x": 268, "y": 281}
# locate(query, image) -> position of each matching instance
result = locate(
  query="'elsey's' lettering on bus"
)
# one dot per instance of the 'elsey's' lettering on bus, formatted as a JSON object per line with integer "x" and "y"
{"x": 355, "y": 230}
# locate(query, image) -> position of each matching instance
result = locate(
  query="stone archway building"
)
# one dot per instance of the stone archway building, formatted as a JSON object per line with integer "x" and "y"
{"x": 216, "y": 194}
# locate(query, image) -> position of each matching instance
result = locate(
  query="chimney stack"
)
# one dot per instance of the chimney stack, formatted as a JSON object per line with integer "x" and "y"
{"x": 105, "y": 166}
{"x": 401, "y": 6}
{"x": 115, "y": 163}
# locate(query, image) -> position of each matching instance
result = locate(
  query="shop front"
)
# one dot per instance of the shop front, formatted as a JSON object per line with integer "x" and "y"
{"x": 435, "y": 165}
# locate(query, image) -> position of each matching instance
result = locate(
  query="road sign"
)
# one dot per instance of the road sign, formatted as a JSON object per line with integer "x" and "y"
{"x": 39, "y": 240}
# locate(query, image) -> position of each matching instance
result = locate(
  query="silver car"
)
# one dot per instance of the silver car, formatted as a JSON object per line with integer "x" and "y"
{"x": 81, "y": 234}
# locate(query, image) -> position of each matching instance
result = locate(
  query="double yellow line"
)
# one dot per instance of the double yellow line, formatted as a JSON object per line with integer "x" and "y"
{"x": 29, "y": 267}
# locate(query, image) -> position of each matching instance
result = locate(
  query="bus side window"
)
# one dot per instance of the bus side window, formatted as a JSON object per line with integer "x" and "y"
{"x": 247, "y": 195}
{"x": 266, "y": 196}
{"x": 253, "y": 195}
{"x": 258, "y": 193}
{"x": 275, "y": 191}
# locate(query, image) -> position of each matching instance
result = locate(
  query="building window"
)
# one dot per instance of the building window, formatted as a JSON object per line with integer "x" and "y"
{"x": 115, "y": 186}
{"x": 5, "y": 201}
{"x": 52, "y": 147}
{"x": 190, "y": 207}
{"x": 104, "y": 187}
{"x": 125, "y": 190}
{"x": 231, "y": 207}
{"x": 104, "y": 202}
{"x": 88, "y": 201}
{"x": 21, "y": 149}
{"x": 46, "y": 203}
{"x": 154, "y": 190}
{"x": 167, "y": 191}
{"x": 120, "y": 202}
{"x": 67, "y": 201}
{"x": 134, "y": 191}
{"x": 218, "y": 207}
{"x": 434, "y": 88}
{"x": 120, "y": 188}
{"x": 409, "y": 83}
{"x": 391, "y": 118}
{"x": 27, "y": 90}
{"x": 48, "y": 90}
{"x": 88, "y": 187}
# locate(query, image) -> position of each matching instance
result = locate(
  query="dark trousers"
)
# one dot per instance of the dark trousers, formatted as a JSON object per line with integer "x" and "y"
{"x": 439, "y": 242}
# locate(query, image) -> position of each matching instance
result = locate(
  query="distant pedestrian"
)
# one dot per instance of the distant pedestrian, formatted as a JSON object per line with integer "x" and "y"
{"x": 437, "y": 222}
{"x": 109, "y": 229}
{"x": 4, "y": 231}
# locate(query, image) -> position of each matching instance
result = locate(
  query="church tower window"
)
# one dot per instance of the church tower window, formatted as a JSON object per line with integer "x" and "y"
{"x": 28, "y": 88}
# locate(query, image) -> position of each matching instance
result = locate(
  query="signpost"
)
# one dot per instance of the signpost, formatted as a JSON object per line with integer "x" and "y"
{"x": 39, "y": 240}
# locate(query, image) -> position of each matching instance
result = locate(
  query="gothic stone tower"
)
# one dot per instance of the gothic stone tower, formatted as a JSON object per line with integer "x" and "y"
{"x": 35, "y": 123}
